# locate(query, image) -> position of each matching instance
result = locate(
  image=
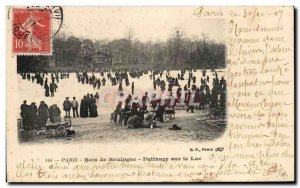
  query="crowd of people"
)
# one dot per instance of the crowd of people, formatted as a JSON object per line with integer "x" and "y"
{"x": 188, "y": 94}
{"x": 116, "y": 79}
{"x": 41, "y": 79}
{"x": 88, "y": 106}
{"x": 191, "y": 96}
{"x": 34, "y": 117}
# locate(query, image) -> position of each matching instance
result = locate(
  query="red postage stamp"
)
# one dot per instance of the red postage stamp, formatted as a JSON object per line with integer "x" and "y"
{"x": 31, "y": 31}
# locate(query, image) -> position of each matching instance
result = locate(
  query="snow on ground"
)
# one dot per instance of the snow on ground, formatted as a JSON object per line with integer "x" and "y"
{"x": 33, "y": 92}
{"x": 87, "y": 132}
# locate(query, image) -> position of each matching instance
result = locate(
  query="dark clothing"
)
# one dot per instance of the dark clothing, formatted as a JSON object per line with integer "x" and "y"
{"x": 25, "y": 116}
{"x": 134, "y": 108}
{"x": 160, "y": 113}
{"x": 134, "y": 122}
{"x": 132, "y": 88}
{"x": 75, "y": 111}
{"x": 52, "y": 89}
{"x": 93, "y": 110}
{"x": 32, "y": 116}
{"x": 84, "y": 112}
{"x": 43, "y": 113}
{"x": 67, "y": 107}
{"x": 46, "y": 90}
{"x": 145, "y": 101}
{"x": 54, "y": 114}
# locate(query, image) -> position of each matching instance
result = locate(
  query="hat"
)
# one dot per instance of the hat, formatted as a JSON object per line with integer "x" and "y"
{"x": 67, "y": 97}
{"x": 174, "y": 127}
{"x": 24, "y": 101}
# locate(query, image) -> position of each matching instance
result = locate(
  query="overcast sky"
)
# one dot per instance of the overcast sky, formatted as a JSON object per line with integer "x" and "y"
{"x": 148, "y": 23}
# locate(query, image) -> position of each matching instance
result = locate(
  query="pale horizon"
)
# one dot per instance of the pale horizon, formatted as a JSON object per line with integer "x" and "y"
{"x": 153, "y": 24}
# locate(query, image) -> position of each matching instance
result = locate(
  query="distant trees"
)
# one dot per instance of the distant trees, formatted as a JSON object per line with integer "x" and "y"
{"x": 72, "y": 49}
{"x": 177, "y": 52}
{"x": 206, "y": 53}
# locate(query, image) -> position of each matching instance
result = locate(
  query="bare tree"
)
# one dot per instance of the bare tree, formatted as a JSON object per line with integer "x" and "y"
{"x": 129, "y": 33}
{"x": 176, "y": 41}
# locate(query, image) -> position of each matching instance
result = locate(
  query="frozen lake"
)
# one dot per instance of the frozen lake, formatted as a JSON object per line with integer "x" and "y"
{"x": 33, "y": 92}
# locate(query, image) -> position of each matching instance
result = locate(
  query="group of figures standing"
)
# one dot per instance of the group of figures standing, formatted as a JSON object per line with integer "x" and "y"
{"x": 40, "y": 78}
{"x": 191, "y": 97}
{"x": 34, "y": 117}
{"x": 188, "y": 94}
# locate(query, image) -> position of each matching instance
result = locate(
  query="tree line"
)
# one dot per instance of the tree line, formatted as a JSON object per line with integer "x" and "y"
{"x": 177, "y": 52}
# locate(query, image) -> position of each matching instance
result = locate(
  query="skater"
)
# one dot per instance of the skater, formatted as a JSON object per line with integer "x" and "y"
{"x": 67, "y": 106}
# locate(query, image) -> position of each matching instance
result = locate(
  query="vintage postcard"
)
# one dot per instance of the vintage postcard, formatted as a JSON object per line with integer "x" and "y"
{"x": 150, "y": 94}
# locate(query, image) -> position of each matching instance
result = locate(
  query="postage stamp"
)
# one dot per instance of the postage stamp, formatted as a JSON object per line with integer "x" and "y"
{"x": 31, "y": 31}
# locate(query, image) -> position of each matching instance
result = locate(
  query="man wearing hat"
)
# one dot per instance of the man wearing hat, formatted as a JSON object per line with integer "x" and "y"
{"x": 25, "y": 115}
{"x": 67, "y": 106}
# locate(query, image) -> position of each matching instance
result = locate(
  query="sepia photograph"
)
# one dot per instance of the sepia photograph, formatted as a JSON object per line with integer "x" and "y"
{"x": 150, "y": 94}
{"x": 135, "y": 78}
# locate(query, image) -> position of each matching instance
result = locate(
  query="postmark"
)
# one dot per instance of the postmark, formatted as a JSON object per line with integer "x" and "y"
{"x": 31, "y": 31}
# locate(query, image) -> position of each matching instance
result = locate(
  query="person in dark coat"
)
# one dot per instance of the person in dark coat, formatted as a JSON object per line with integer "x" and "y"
{"x": 67, "y": 106}
{"x": 223, "y": 99}
{"x": 46, "y": 81}
{"x": 52, "y": 89}
{"x": 28, "y": 77}
{"x": 41, "y": 81}
{"x": 88, "y": 100}
{"x": 145, "y": 100}
{"x": 127, "y": 103}
{"x": 103, "y": 81}
{"x": 46, "y": 87}
{"x": 160, "y": 113}
{"x": 57, "y": 78}
{"x": 93, "y": 110}
{"x": 93, "y": 100}
{"x": 32, "y": 115}
{"x": 84, "y": 112}
{"x": 43, "y": 113}
{"x": 98, "y": 83}
{"x": 189, "y": 101}
{"x": 52, "y": 78}
{"x": 25, "y": 115}
{"x": 154, "y": 84}
{"x": 134, "y": 108}
{"x": 54, "y": 113}
{"x": 202, "y": 100}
